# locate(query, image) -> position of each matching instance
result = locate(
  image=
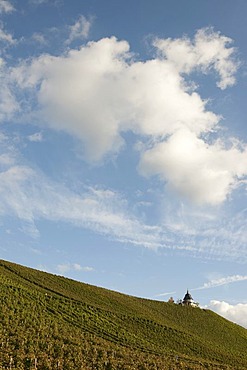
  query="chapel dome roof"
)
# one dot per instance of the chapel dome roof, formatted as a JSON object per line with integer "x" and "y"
{"x": 188, "y": 297}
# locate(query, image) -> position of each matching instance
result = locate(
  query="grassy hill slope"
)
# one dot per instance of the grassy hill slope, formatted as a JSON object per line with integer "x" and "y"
{"x": 51, "y": 322}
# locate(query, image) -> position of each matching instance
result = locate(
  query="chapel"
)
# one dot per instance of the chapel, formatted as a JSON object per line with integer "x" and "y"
{"x": 188, "y": 300}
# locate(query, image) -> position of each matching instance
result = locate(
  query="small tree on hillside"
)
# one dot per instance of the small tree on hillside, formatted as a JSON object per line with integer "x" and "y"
{"x": 171, "y": 300}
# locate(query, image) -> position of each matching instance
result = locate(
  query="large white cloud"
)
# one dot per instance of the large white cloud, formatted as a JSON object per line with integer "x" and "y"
{"x": 236, "y": 313}
{"x": 78, "y": 93}
{"x": 100, "y": 91}
{"x": 202, "y": 172}
{"x": 97, "y": 92}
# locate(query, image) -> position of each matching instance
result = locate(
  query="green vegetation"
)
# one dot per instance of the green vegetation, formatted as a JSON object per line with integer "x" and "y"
{"x": 48, "y": 322}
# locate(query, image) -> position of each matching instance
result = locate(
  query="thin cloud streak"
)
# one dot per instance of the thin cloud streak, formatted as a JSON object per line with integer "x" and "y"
{"x": 164, "y": 294}
{"x": 222, "y": 281}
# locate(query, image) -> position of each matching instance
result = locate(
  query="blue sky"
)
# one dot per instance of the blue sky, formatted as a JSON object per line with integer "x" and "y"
{"x": 123, "y": 145}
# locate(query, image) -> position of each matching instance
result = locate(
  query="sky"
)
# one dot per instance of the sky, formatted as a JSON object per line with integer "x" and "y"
{"x": 123, "y": 145}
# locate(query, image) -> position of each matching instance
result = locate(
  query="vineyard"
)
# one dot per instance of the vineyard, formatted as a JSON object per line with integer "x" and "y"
{"x": 49, "y": 322}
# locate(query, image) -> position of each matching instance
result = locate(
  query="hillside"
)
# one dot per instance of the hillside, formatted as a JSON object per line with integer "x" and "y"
{"x": 51, "y": 322}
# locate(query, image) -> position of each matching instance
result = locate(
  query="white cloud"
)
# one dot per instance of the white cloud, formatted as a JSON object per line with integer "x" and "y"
{"x": 87, "y": 268}
{"x": 222, "y": 281}
{"x": 215, "y": 232}
{"x": 6, "y": 37}
{"x": 37, "y": 137}
{"x": 209, "y": 50}
{"x": 3, "y": 137}
{"x": 10, "y": 201}
{"x": 39, "y": 38}
{"x": 204, "y": 173}
{"x": 6, "y": 6}
{"x": 42, "y": 268}
{"x": 29, "y": 228}
{"x": 78, "y": 267}
{"x": 6, "y": 160}
{"x": 7, "y": 153}
{"x": 66, "y": 267}
{"x": 63, "y": 268}
{"x": 86, "y": 83}
{"x": 80, "y": 29}
{"x": 31, "y": 196}
{"x": 8, "y": 102}
{"x": 236, "y": 313}
{"x": 99, "y": 91}
{"x": 165, "y": 294}
{"x": 40, "y": 2}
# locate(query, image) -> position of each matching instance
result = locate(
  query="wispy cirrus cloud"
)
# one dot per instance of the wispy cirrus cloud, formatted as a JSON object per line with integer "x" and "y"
{"x": 31, "y": 196}
{"x": 222, "y": 281}
{"x": 165, "y": 294}
{"x": 218, "y": 233}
